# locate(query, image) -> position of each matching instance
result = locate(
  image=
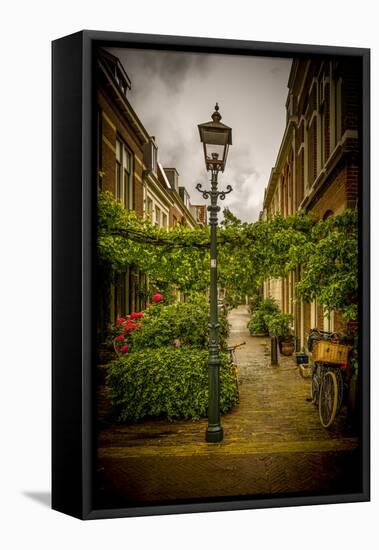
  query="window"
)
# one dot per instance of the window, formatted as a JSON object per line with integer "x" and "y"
{"x": 124, "y": 173}
{"x": 164, "y": 220}
{"x": 150, "y": 155}
{"x": 321, "y": 121}
{"x": 99, "y": 149}
{"x": 338, "y": 116}
{"x": 120, "y": 295}
{"x": 149, "y": 207}
{"x": 117, "y": 191}
{"x": 157, "y": 216}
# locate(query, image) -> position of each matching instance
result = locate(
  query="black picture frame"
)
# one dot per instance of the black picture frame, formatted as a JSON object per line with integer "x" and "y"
{"x": 73, "y": 207}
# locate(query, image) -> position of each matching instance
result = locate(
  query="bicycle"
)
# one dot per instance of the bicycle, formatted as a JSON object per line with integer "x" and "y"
{"x": 328, "y": 383}
{"x": 234, "y": 366}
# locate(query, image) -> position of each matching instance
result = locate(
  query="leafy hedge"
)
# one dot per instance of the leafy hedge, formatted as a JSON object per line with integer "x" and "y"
{"x": 258, "y": 322}
{"x": 167, "y": 382}
{"x": 184, "y": 322}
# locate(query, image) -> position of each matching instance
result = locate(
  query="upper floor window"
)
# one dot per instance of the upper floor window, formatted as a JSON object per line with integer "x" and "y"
{"x": 150, "y": 155}
{"x": 121, "y": 78}
{"x": 123, "y": 176}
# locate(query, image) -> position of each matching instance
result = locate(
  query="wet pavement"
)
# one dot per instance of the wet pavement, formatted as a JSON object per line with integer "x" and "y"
{"x": 273, "y": 442}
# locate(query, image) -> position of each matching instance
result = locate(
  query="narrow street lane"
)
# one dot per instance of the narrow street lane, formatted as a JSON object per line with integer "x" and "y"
{"x": 273, "y": 442}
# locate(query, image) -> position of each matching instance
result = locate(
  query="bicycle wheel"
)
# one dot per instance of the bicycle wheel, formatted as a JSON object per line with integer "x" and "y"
{"x": 314, "y": 389}
{"x": 328, "y": 400}
{"x": 340, "y": 385}
{"x": 315, "y": 383}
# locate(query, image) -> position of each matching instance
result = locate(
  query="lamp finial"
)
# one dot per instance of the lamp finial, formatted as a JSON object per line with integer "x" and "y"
{"x": 216, "y": 117}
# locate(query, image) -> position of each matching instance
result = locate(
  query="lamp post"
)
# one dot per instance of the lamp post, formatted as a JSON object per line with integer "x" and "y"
{"x": 216, "y": 138}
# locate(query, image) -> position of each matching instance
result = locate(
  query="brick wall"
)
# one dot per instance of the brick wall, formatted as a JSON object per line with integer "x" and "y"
{"x": 174, "y": 213}
{"x": 334, "y": 196}
{"x": 340, "y": 190}
{"x": 114, "y": 125}
{"x": 352, "y": 181}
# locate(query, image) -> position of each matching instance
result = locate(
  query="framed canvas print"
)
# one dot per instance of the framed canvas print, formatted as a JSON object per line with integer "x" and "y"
{"x": 210, "y": 274}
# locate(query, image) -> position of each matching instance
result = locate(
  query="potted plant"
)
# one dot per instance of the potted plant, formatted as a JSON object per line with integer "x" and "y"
{"x": 302, "y": 361}
{"x": 279, "y": 325}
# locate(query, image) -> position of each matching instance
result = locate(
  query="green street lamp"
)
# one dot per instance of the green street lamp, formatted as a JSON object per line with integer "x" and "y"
{"x": 216, "y": 138}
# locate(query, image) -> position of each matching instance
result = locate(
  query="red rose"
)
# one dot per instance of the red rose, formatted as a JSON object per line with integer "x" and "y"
{"x": 136, "y": 315}
{"x": 157, "y": 297}
{"x": 120, "y": 338}
{"x": 120, "y": 320}
{"x": 129, "y": 326}
{"x": 124, "y": 348}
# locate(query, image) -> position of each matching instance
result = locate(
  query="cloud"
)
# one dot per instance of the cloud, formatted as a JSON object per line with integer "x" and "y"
{"x": 172, "y": 92}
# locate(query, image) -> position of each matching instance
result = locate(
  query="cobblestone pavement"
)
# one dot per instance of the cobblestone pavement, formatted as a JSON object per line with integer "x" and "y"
{"x": 273, "y": 442}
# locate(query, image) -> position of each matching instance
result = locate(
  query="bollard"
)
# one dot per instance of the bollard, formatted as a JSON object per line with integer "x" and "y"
{"x": 274, "y": 350}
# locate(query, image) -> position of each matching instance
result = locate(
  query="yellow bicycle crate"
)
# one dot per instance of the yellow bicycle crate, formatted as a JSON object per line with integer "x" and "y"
{"x": 328, "y": 352}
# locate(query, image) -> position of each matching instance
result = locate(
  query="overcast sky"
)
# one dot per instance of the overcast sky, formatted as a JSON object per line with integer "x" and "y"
{"x": 172, "y": 92}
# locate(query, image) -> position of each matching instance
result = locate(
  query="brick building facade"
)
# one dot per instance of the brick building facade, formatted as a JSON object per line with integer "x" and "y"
{"x": 128, "y": 167}
{"x": 317, "y": 167}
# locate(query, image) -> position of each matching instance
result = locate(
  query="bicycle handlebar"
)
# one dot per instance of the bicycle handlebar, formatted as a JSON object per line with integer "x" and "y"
{"x": 230, "y": 348}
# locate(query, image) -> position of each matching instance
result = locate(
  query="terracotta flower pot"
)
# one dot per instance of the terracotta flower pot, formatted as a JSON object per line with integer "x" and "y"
{"x": 287, "y": 346}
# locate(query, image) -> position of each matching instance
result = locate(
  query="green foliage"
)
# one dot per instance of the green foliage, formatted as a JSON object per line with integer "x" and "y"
{"x": 178, "y": 257}
{"x": 279, "y": 324}
{"x": 166, "y": 382}
{"x": 248, "y": 253}
{"x": 330, "y": 265}
{"x": 255, "y": 302}
{"x": 187, "y": 322}
{"x": 258, "y": 324}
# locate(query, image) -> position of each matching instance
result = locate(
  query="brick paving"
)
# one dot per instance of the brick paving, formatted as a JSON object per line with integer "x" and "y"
{"x": 273, "y": 442}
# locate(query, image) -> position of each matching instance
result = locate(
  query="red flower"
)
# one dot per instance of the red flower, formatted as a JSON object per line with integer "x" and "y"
{"x": 129, "y": 326}
{"x": 138, "y": 315}
{"x": 120, "y": 338}
{"x": 124, "y": 348}
{"x": 157, "y": 297}
{"x": 120, "y": 320}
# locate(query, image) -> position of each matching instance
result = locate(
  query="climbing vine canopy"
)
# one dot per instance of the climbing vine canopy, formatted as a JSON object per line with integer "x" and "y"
{"x": 248, "y": 253}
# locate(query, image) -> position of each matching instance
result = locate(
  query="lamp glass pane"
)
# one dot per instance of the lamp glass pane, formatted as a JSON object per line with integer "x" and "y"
{"x": 219, "y": 149}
